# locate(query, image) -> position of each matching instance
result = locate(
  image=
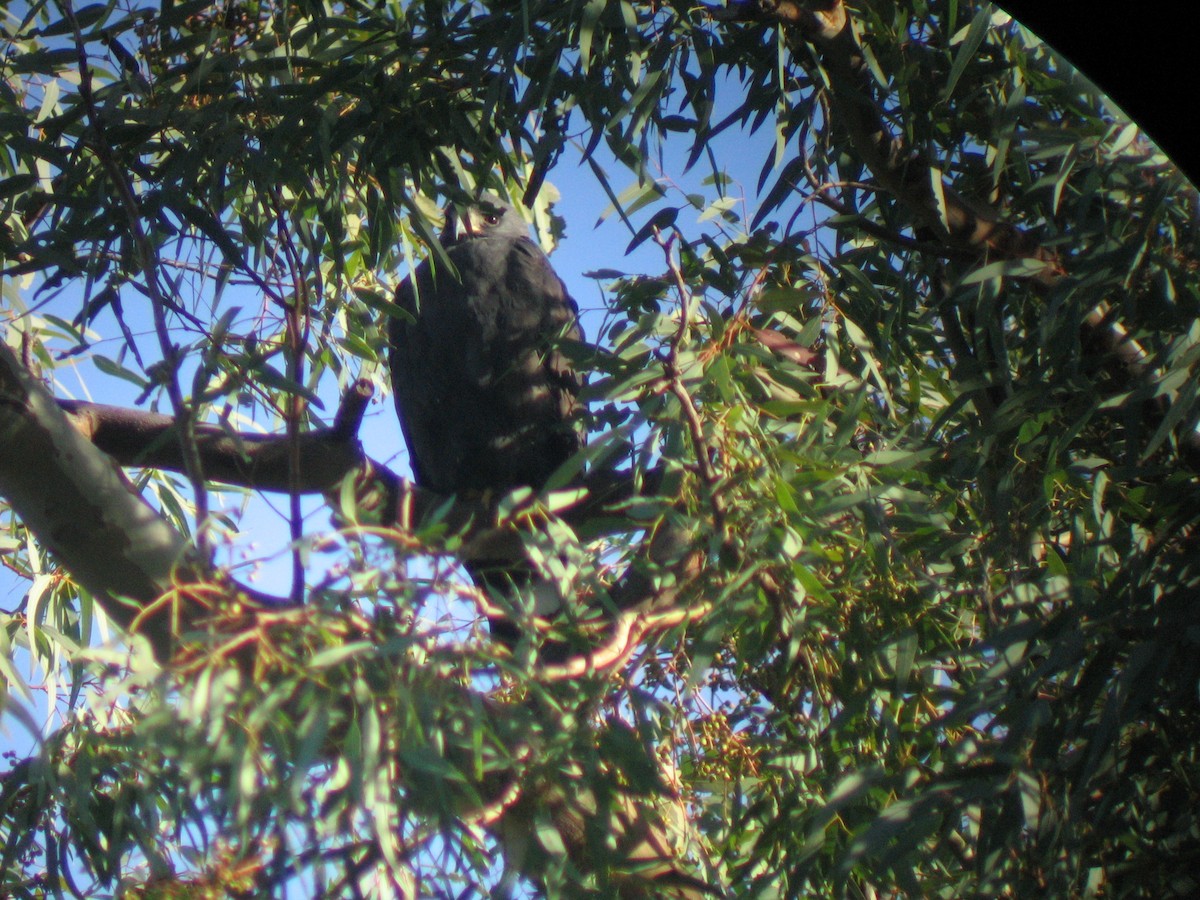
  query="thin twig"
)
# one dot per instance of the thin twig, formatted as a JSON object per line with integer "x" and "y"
{"x": 296, "y": 324}
{"x": 628, "y": 631}
{"x": 147, "y": 257}
{"x": 674, "y": 377}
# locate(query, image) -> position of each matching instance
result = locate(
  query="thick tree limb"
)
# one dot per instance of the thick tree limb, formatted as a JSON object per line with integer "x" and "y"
{"x": 327, "y": 457}
{"x": 80, "y": 506}
{"x": 137, "y": 438}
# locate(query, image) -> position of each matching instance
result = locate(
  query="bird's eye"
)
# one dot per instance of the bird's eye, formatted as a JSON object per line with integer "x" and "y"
{"x": 491, "y": 218}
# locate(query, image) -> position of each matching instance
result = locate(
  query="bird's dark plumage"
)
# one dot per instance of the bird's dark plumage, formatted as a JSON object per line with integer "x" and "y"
{"x": 485, "y": 398}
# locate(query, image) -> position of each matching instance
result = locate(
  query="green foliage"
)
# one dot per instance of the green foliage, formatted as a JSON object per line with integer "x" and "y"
{"x": 941, "y": 637}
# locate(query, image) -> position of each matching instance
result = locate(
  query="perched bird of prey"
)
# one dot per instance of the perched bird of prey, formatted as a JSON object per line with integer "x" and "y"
{"x": 485, "y": 399}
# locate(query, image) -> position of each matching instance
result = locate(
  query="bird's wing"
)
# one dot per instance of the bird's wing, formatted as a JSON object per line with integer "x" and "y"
{"x": 559, "y": 321}
{"x": 410, "y": 361}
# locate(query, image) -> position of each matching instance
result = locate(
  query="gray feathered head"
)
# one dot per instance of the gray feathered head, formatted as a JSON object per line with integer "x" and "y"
{"x": 489, "y": 216}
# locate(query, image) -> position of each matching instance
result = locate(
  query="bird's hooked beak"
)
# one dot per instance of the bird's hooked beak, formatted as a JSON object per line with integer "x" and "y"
{"x": 469, "y": 222}
{"x": 457, "y": 226}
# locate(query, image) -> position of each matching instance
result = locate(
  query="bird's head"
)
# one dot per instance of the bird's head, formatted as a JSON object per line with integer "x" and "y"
{"x": 489, "y": 216}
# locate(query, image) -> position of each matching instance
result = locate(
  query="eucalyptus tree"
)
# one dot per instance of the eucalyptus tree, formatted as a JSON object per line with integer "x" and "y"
{"x": 877, "y": 571}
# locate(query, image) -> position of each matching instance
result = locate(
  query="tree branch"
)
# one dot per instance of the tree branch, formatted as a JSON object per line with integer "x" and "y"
{"x": 81, "y": 507}
{"x": 136, "y": 438}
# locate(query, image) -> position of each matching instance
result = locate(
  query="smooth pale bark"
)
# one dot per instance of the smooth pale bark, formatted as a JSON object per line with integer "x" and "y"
{"x": 80, "y": 506}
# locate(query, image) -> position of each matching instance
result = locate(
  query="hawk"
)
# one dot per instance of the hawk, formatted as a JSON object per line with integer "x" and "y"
{"x": 485, "y": 398}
